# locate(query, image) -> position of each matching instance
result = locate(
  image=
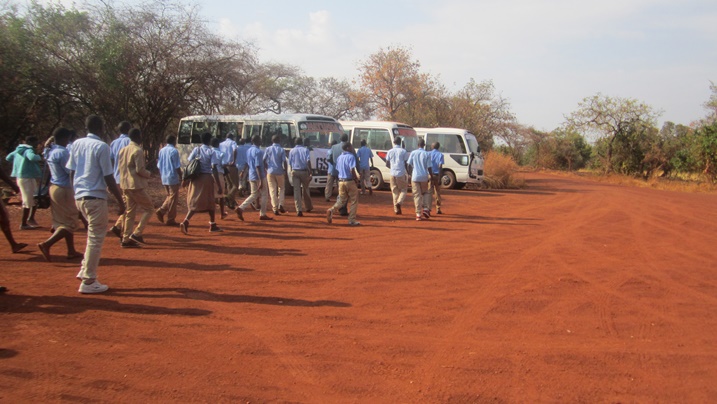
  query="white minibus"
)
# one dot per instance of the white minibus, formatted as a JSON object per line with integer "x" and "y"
{"x": 463, "y": 161}
{"x": 321, "y": 130}
{"x": 379, "y": 137}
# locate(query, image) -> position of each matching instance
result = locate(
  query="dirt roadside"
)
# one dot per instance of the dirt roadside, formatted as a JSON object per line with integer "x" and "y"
{"x": 566, "y": 291}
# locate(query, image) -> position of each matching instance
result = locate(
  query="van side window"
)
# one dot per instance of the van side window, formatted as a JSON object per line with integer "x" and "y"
{"x": 185, "y": 133}
{"x": 378, "y": 139}
{"x": 452, "y": 144}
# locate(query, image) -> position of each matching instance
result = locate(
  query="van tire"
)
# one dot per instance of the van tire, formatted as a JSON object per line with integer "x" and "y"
{"x": 376, "y": 179}
{"x": 448, "y": 180}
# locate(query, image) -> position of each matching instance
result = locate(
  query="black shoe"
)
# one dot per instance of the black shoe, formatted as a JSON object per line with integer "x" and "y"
{"x": 137, "y": 238}
{"x": 116, "y": 231}
{"x": 281, "y": 209}
{"x": 398, "y": 209}
{"x": 299, "y": 214}
{"x": 439, "y": 211}
{"x": 131, "y": 244}
{"x": 213, "y": 228}
{"x": 276, "y": 213}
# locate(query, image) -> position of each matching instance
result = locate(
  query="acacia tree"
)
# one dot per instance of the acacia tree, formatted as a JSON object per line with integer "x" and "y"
{"x": 612, "y": 119}
{"x": 326, "y": 96}
{"x": 391, "y": 79}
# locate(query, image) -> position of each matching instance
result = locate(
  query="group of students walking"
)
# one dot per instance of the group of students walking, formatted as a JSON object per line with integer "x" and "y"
{"x": 83, "y": 172}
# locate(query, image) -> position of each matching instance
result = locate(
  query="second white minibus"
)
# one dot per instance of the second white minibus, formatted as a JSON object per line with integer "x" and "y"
{"x": 463, "y": 161}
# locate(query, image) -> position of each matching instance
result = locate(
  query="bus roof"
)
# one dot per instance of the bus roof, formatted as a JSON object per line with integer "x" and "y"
{"x": 376, "y": 124}
{"x": 451, "y": 131}
{"x": 260, "y": 117}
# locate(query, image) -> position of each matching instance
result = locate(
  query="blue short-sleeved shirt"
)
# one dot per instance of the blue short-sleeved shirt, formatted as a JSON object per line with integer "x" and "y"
{"x": 364, "y": 156}
{"x": 227, "y": 147}
{"x": 168, "y": 163}
{"x": 90, "y": 160}
{"x": 436, "y": 161}
{"x": 241, "y": 156}
{"x": 299, "y": 158}
{"x": 397, "y": 157}
{"x": 57, "y": 161}
{"x": 220, "y": 156}
{"x": 274, "y": 157}
{"x": 207, "y": 158}
{"x": 115, "y": 147}
{"x": 345, "y": 164}
{"x": 255, "y": 160}
{"x": 420, "y": 160}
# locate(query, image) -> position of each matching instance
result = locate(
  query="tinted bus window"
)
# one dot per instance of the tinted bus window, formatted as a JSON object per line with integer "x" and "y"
{"x": 451, "y": 144}
{"x": 184, "y": 136}
{"x": 285, "y": 131}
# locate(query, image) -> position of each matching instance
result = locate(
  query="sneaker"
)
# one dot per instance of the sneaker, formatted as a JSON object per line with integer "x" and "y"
{"x": 213, "y": 228}
{"x": 276, "y": 212}
{"x": 32, "y": 223}
{"x": 137, "y": 238}
{"x": 79, "y": 275}
{"x": 426, "y": 214}
{"x": 299, "y": 214}
{"x": 419, "y": 217}
{"x": 265, "y": 217}
{"x": 94, "y": 287}
{"x": 240, "y": 213}
{"x": 184, "y": 226}
{"x": 27, "y": 227}
{"x": 329, "y": 216}
{"x": 45, "y": 251}
{"x": 439, "y": 211}
{"x": 116, "y": 231}
{"x": 281, "y": 209}
{"x": 130, "y": 244}
{"x": 397, "y": 209}
{"x": 354, "y": 223}
{"x": 160, "y": 216}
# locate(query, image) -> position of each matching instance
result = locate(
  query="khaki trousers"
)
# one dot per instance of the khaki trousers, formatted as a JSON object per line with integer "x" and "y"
{"x": 169, "y": 207}
{"x": 96, "y": 213}
{"x": 329, "y": 190}
{"x": 421, "y": 196}
{"x": 136, "y": 200}
{"x": 436, "y": 189}
{"x": 348, "y": 191}
{"x": 276, "y": 190}
{"x": 399, "y": 188}
{"x": 300, "y": 181}
{"x": 257, "y": 194}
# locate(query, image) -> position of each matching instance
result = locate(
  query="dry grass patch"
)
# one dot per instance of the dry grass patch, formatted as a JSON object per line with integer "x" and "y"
{"x": 501, "y": 172}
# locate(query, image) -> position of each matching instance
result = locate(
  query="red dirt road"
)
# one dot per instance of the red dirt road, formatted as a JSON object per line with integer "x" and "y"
{"x": 567, "y": 291}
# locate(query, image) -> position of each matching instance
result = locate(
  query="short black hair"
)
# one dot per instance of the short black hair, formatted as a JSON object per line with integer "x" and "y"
{"x": 61, "y": 135}
{"x": 124, "y": 126}
{"x": 206, "y": 138}
{"x": 363, "y": 142}
{"x": 215, "y": 142}
{"x": 298, "y": 142}
{"x": 397, "y": 140}
{"x": 135, "y": 135}
{"x": 171, "y": 139}
{"x": 345, "y": 146}
{"x": 421, "y": 142}
{"x": 307, "y": 142}
{"x": 94, "y": 124}
{"x": 345, "y": 137}
{"x": 276, "y": 139}
{"x": 256, "y": 140}
{"x": 436, "y": 145}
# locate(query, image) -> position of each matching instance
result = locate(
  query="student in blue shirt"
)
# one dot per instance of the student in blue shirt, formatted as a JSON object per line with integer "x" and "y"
{"x": 231, "y": 175}
{"x": 300, "y": 163}
{"x": 118, "y": 144}
{"x": 365, "y": 157}
{"x": 257, "y": 181}
{"x": 240, "y": 163}
{"x": 420, "y": 162}
{"x": 200, "y": 193}
{"x": 62, "y": 197}
{"x": 437, "y": 162}
{"x": 275, "y": 159}
{"x": 396, "y": 160}
{"x": 348, "y": 185}
{"x": 170, "y": 170}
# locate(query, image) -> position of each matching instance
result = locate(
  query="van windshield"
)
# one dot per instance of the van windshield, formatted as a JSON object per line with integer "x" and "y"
{"x": 320, "y": 133}
{"x": 472, "y": 143}
{"x": 410, "y": 139}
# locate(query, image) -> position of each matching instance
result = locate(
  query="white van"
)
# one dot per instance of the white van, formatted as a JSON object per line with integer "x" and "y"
{"x": 379, "y": 137}
{"x": 461, "y": 153}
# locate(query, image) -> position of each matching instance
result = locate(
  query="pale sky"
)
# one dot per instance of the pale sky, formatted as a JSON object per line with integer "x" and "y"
{"x": 543, "y": 56}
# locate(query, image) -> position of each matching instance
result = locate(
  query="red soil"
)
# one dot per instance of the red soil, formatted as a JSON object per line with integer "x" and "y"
{"x": 566, "y": 291}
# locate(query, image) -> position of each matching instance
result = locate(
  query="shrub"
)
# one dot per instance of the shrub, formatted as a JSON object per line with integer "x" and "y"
{"x": 499, "y": 172}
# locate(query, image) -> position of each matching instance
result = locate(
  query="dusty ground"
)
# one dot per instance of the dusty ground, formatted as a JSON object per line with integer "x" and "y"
{"x": 567, "y": 291}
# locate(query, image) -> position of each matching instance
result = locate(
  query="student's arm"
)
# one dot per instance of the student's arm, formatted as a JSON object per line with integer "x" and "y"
{"x": 139, "y": 164}
{"x": 114, "y": 189}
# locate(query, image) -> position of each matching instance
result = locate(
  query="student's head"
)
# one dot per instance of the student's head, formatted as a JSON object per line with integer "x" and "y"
{"x": 298, "y": 142}
{"x": 256, "y": 140}
{"x": 215, "y": 142}
{"x": 397, "y": 140}
{"x": 344, "y": 137}
{"x": 241, "y": 141}
{"x": 276, "y": 139}
{"x": 135, "y": 135}
{"x": 334, "y": 142}
{"x": 307, "y": 142}
{"x": 171, "y": 139}
{"x": 230, "y": 135}
{"x": 31, "y": 140}
{"x": 124, "y": 127}
{"x": 207, "y": 138}
{"x": 363, "y": 142}
{"x": 436, "y": 145}
{"x": 345, "y": 146}
{"x": 421, "y": 143}
{"x": 73, "y": 136}
{"x": 94, "y": 125}
{"x": 61, "y": 136}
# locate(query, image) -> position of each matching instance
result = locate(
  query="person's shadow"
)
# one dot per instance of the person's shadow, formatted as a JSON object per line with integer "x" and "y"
{"x": 10, "y": 303}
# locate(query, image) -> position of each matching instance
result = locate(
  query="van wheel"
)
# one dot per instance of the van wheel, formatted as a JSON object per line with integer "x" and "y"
{"x": 376, "y": 179}
{"x": 448, "y": 180}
